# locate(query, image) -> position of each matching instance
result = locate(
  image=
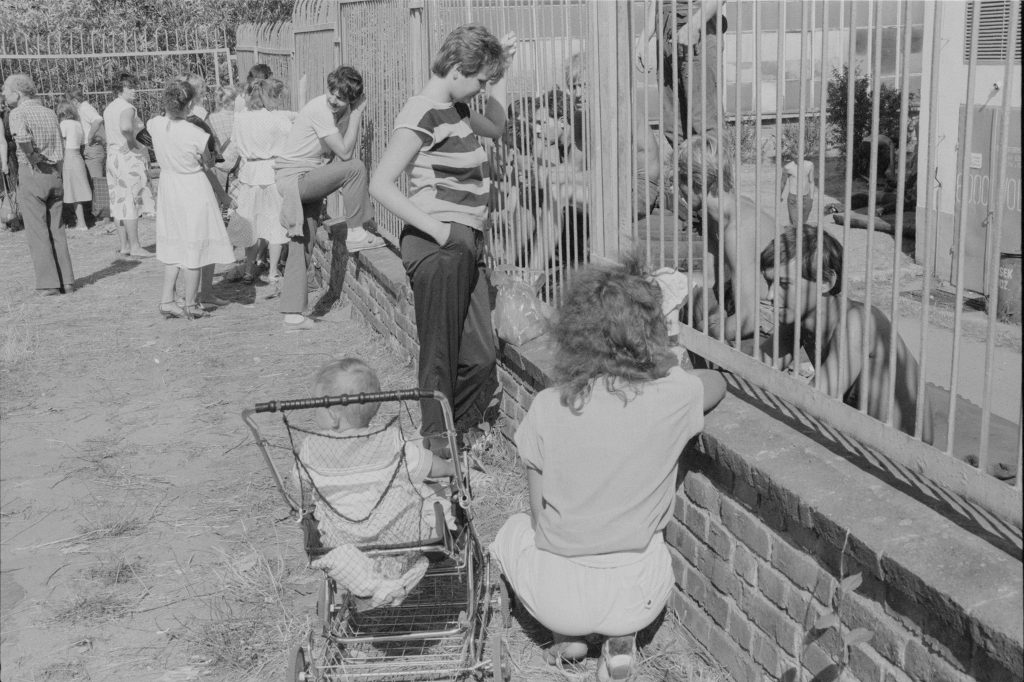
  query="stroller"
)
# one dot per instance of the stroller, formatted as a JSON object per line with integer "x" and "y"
{"x": 432, "y": 596}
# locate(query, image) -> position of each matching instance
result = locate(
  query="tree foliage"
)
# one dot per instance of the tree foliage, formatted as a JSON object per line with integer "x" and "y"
{"x": 38, "y": 18}
{"x": 836, "y": 110}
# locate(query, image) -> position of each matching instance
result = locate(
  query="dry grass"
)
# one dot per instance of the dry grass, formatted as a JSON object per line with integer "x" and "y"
{"x": 118, "y": 571}
{"x": 18, "y": 336}
{"x": 93, "y": 605}
{"x": 113, "y": 525}
{"x": 253, "y": 620}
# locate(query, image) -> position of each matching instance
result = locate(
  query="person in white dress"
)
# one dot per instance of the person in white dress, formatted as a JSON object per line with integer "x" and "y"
{"x": 190, "y": 233}
{"x": 259, "y": 133}
{"x": 76, "y": 181}
{"x": 127, "y": 167}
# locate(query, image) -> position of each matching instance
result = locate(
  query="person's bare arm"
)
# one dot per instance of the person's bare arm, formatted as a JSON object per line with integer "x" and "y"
{"x": 739, "y": 257}
{"x": 703, "y": 11}
{"x": 849, "y": 353}
{"x": 344, "y": 146}
{"x": 441, "y": 468}
{"x": 491, "y": 123}
{"x": 405, "y": 144}
{"x": 3, "y": 149}
{"x": 127, "y": 125}
{"x": 714, "y": 387}
{"x": 534, "y": 483}
{"x": 646, "y": 47}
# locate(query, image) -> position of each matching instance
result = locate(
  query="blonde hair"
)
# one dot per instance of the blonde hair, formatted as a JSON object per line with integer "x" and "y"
{"x": 345, "y": 376}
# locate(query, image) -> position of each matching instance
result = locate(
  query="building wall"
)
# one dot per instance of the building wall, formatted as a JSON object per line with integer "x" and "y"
{"x": 770, "y": 516}
{"x": 952, "y": 74}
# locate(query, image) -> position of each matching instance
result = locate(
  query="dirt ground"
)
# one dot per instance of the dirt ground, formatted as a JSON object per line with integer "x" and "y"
{"x": 141, "y": 536}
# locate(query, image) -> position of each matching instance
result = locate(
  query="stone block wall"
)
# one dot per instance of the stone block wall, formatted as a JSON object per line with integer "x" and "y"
{"x": 769, "y": 517}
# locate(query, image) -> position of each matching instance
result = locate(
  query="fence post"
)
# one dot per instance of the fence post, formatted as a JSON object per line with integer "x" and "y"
{"x": 417, "y": 44}
{"x": 609, "y": 40}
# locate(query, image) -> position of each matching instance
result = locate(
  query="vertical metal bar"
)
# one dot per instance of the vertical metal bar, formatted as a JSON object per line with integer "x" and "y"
{"x": 901, "y": 182}
{"x": 876, "y": 87}
{"x": 758, "y": 160}
{"x": 780, "y": 92}
{"x": 931, "y": 222}
{"x": 965, "y": 164}
{"x": 737, "y": 165}
{"x": 801, "y": 131}
{"x": 997, "y": 198}
{"x": 851, "y": 141}
{"x": 819, "y": 214}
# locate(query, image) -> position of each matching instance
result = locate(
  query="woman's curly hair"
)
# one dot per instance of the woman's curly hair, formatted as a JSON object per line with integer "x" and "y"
{"x": 610, "y": 327}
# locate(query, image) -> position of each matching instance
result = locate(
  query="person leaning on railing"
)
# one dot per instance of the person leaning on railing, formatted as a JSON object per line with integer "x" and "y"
{"x": 442, "y": 243}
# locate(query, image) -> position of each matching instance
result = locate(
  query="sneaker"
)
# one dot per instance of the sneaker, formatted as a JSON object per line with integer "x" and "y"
{"x": 370, "y": 241}
{"x": 617, "y": 656}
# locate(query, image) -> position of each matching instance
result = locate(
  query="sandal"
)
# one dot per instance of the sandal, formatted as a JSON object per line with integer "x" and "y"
{"x": 171, "y": 310}
{"x": 617, "y": 656}
{"x": 194, "y": 312}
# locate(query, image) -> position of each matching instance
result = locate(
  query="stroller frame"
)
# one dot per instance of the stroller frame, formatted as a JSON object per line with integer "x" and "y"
{"x": 440, "y": 629}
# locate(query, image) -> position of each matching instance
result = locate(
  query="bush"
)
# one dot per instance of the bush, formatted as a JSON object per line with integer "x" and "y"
{"x": 836, "y": 110}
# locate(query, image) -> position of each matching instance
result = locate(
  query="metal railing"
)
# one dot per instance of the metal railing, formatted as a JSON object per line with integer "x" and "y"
{"x": 850, "y": 88}
{"x": 62, "y": 59}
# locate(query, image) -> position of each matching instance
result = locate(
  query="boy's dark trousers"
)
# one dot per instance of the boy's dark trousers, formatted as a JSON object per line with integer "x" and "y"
{"x": 453, "y": 322}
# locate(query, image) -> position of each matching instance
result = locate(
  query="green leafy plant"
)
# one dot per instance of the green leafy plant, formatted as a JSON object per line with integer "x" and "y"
{"x": 863, "y": 98}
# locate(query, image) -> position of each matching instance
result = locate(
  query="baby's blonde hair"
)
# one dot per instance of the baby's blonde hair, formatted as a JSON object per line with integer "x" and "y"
{"x": 346, "y": 376}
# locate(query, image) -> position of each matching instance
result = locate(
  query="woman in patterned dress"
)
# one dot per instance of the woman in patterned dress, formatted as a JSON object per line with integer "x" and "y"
{"x": 127, "y": 173}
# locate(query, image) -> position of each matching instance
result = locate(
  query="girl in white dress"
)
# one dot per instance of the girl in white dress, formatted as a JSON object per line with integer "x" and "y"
{"x": 190, "y": 233}
{"x": 76, "y": 182}
{"x": 258, "y": 135}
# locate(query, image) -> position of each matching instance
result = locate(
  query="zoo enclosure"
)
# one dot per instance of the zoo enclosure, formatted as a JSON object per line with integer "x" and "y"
{"x": 93, "y": 59}
{"x": 776, "y": 63}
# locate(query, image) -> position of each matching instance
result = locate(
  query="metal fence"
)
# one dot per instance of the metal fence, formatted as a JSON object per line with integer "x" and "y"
{"x": 597, "y": 162}
{"x": 61, "y": 60}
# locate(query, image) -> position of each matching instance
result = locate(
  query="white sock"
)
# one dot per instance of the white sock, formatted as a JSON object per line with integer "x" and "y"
{"x": 292, "y": 318}
{"x": 356, "y": 234}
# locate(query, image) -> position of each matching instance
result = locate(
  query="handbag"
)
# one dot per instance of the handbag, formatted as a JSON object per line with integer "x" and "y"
{"x": 10, "y": 215}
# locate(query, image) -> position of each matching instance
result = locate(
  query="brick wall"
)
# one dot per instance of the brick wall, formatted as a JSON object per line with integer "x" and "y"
{"x": 769, "y": 517}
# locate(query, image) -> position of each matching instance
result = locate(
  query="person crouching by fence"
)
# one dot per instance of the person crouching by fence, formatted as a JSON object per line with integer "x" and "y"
{"x": 330, "y": 124}
{"x": 601, "y": 451}
{"x": 40, "y": 188}
{"x": 76, "y": 179}
{"x": 442, "y": 242}
{"x": 841, "y": 355}
{"x": 127, "y": 167}
{"x": 190, "y": 233}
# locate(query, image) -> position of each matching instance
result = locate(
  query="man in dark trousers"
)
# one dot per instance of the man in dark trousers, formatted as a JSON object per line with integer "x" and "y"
{"x": 40, "y": 188}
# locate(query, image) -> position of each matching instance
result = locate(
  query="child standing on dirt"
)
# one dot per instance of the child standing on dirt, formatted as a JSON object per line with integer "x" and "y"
{"x": 76, "y": 182}
{"x": 370, "y": 488}
{"x": 602, "y": 450}
{"x": 735, "y": 230}
{"x": 797, "y": 188}
{"x": 442, "y": 243}
{"x": 841, "y": 356}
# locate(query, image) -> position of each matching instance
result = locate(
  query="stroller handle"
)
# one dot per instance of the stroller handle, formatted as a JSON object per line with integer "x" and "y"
{"x": 347, "y": 399}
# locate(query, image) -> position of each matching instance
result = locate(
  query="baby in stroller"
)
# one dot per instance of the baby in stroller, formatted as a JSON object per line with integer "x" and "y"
{"x": 371, "y": 489}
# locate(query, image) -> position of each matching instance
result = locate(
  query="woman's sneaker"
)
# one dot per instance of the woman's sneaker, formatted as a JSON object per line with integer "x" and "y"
{"x": 617, "y": 656}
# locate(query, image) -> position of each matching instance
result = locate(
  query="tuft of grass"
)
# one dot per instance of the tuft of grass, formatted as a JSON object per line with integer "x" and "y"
{"x": 19, "y": 338}
{"x": 113, "y": 526}
{"x": 63, "y": 670}
{"x": 117, "y": 572}
{"x": 102, "y": 604}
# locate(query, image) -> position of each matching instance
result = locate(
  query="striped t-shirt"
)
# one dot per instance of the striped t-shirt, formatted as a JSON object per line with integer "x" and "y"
{"x": 450, "y": 177}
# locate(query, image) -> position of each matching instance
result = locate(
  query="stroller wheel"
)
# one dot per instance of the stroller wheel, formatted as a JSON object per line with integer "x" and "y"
{"x": 299, "y": 669}
{"x": 501, "y": 666}
{"x": 325, "y": 604}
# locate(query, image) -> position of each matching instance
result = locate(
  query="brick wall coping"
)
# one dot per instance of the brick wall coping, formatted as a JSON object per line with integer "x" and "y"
{"x": 926, "y": 570}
